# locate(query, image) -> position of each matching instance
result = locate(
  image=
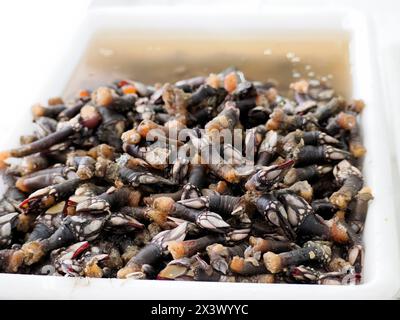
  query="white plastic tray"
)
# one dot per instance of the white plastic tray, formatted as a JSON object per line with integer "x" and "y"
{"x": 381, "y": 279}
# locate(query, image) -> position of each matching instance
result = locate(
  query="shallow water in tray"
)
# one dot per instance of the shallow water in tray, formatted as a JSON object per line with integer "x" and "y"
{"x": 154, "y": 58}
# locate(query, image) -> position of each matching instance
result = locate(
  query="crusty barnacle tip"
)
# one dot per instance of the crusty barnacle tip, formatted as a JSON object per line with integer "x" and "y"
{"x": 16, "y": 260}
{"x": 213, "y": 131}
{"x": 272, "y": 262}
{"x": 230, "y": 82}
{"x": 21, "y": 185}
{"x": 357, "y": 150}
{"x": 221, "y": 187}
{"x": 53, "y": 101}
{"x": 237, "y": 264}
{"x": 346, "y": 121}
{"x": 340, "y": 199}
{"x": 84, "y": 173}
{"x": 92, "y": 270}
{"x": 307, "y": 194}
{"x": 33, "y": 251}
{"x": 83, "y": 94}
{"x": 90, "y": 117}
{"x": 177, "y": 123}
{"x": 253, "y": 241}
{"x": 340, "y": 214}
{"x": 129, "y": 253}
{"x": 127, "y": 270}
{"x": 213, "y": 80}
{"x": 102, "y": 96}
{"x": 300, "y": 86}
{"x": 217, "y": 249}
{"x": 338, "y": 232}
{"x": 128, "y": 89}
{"x": 358, "y": 105}
{"x": 159, "y": 217}
{"x": 38, "y": 110}
{"x": 145, "y": 127}
{"x": 338, "y": 265}
{"x": 173, "y": 271}
{"x": 266, "y": 278}
{"x": 257, "y": 243}
{"x": 164, "y": 204}
{"x": 177, "y": 249}
{"x": 102, "y": 150}
{"x": 272, "y": 124}
{"x": 231, "y": 176}
{"x": 131, "y": 137}
{"x": 366, "y": 192}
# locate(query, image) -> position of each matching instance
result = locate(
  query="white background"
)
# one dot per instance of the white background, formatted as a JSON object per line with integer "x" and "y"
{"x": 34, "y": 35}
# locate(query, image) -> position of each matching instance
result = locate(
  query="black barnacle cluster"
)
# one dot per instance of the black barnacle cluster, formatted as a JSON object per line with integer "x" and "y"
{"x": 215, "y": 178}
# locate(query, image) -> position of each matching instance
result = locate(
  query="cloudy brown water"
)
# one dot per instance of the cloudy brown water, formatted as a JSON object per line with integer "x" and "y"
{"x": 162, "y": 58}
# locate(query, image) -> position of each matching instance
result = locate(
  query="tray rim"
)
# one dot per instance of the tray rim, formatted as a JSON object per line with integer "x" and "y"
{"x": 382, "y": 281}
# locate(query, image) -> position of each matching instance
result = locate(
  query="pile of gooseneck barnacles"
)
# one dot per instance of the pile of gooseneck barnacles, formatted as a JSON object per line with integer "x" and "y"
{"x": 212, "y": 178}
